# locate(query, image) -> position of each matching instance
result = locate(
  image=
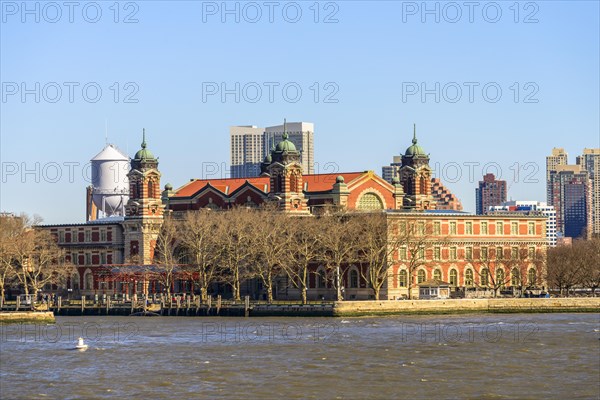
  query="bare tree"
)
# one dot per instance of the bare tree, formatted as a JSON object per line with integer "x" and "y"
{"x": 589, "y": 255}
{"x": 167, "y": 257}
{"x": 37, "y": 259}
{"x": 199, "y": 242}
{"x": 234, "y": 235}
{"x": 303, "y": 252}
{"x": 269, "y": 241}
{"x": 339, "y": 244}
{"x": 564, "y": 271}
{"x": 11, "y": 227}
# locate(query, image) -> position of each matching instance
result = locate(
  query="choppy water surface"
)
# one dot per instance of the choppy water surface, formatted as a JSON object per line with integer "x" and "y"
{"x": 526, "y": 356}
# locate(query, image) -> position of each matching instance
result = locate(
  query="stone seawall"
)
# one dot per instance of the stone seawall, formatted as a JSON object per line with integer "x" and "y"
{"x": 27, "y": 316}
{"x": 454, "y": 306}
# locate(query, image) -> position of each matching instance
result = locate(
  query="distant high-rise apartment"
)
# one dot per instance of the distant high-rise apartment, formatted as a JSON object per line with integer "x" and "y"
{"x": 526, "y": 207}
{"x": 570, "y": 191}
{"x": 246, "y": 148}
{"x": 558, "y": 157}
{"x": 590, "y": 161}
{"x": 491, "y": 192}
{"x": 250, "y": 144}
{"x": 301, "y": 134}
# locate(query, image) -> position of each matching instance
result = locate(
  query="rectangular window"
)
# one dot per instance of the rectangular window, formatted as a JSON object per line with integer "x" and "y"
{"x": 452, "y": 253}
{"x": 88, "y": 258}
{"x": 499, "y": 253}
{"x": 531, "y": 228}
{"x": 61, "y": 236}
{"x": 531, "y": 253}
{"x": 468, "y": 253}
{"x": 484, "y": 228}
{"x": 453, "y": 228}
{"x": 403, "y": 254}
{"x": 437, "y": 253}
{"x": 484, "y": 253}
{"x": 499, "y": 228}
{"x": 88, "y": 236}
{"x": 102, "y": 258}
{"x": 514, "y": 228}
{"x": 421, "y": 253}
{"x": 437, "y": 228}
{"x": 514, "y": 253}
{"x": 468, "y": 228}
{"x": 74, "y": 237}
{"x": 421, "y": 227}
{"x": 103, "y": 235}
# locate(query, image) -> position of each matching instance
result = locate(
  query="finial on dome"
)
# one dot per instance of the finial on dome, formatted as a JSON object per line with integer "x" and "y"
{"x": 143, "y": 138}
{"x": 285, "y": 135}
{"x": 414, "y": 134}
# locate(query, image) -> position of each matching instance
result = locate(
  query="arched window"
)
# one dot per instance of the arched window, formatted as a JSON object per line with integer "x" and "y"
{"x": 370, "y": 201}
{"x": 453, "y": 277}
{"x": 151, "y": 189}
{"x": 402, "y": 278}
{"x": 515, "y": 277}
{"x": 531, "y": 278}
{"x": 437, "y": 274}
{"x": 500, "y": 277}
{"x": 469, "y": 277}
{"x": 421, "y": 277}
{"x": 321, "y": 278}
{"x": 354, "y": 279}
{"x": 89, "y": 280}
{"x": 75, "y": 281}
{"x": 293, "y": 182}
{"x": 485, "y": 278}
{"x": 422, "y": 184}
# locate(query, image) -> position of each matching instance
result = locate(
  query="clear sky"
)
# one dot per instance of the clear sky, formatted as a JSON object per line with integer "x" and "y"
{"x": 366, "y": 70}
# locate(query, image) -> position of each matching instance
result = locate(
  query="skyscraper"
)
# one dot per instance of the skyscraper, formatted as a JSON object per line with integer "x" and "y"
{"x": 570, "y": 190}
{"x": 250, "y": 144}
{"x": 558, "y": 157}
{"x": 590, "y": 161}
{"x": 491, "y": 192}
{"x": 246, "y": 150}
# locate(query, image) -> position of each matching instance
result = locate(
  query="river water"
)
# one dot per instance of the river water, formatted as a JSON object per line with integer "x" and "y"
{"x": 525, "y": 356}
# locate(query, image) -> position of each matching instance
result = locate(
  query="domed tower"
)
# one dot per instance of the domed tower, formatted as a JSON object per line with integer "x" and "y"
{"x": 415, "y": 177}
{"x": 144, "y": 210}
{"x": 109, "y": 191}
{"x": 285, "y": 171}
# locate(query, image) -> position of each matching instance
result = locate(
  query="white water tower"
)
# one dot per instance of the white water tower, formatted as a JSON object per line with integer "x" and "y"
{"x": 110, "y": 186}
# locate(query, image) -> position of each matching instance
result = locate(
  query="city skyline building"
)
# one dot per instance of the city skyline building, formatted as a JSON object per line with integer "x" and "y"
{"x": 246, "y": 150}
{"x": 491, "y": 192}
{"x": 528, "y": 206}
{"x": 570, "y": 190}
{"x": 590, "y": 161}
{"x": 557, "y": 157}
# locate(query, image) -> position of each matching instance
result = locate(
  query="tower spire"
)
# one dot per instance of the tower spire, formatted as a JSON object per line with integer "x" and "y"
{"x": 143, "y": 138}
{"x": 414, "y": 134}
{"x": 285, "y": 135}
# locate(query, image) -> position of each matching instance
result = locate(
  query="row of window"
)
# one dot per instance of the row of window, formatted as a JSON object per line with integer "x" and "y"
{"x": 471, "y": 278}
{"x": 484, "y": 228}
{"x": 87, "y": 236}
{"x": 87, "y": 259}
{"x": 468, "y": 254}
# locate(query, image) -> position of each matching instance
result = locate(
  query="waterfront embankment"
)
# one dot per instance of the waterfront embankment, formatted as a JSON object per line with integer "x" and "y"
{"x": 457, "y": 306}
{"x": 27, "y": 316}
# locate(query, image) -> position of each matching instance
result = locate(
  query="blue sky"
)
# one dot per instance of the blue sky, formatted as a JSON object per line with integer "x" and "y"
{"x": 369, "y": 60}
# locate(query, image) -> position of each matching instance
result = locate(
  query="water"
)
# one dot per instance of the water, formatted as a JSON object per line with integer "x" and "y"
{"x": 526, "y": 356}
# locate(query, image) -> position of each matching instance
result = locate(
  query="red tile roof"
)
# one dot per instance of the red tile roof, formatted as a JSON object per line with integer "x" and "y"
{"x": 228, "y": 185}
{"x": 312, "y": 183}
{"x": 324, "y": 182}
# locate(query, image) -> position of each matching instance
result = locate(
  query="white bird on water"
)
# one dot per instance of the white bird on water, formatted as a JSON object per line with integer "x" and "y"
{"x": 81, "y": 345}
